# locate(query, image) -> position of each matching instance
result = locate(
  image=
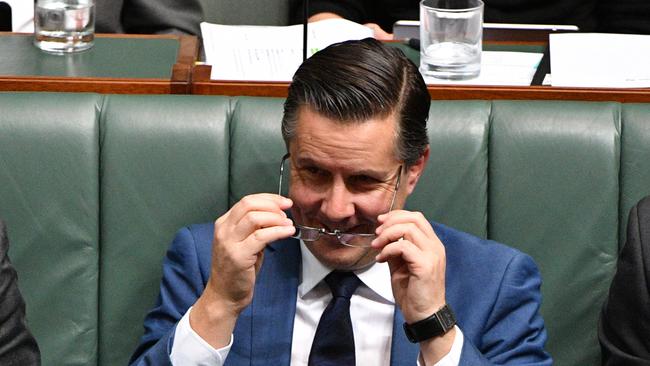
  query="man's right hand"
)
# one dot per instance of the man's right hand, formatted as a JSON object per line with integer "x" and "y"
{"x": 240, "y": 236}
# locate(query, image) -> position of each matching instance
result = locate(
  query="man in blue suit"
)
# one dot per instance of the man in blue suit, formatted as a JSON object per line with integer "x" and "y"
{"x": 347, "y": 277}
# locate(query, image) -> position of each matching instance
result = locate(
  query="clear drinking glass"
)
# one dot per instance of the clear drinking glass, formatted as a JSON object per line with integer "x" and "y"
{"x": 64, "y": 26}
{"x": 451, "y": 32}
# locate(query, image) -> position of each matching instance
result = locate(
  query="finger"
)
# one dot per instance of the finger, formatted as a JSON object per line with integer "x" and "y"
{"x": 257, "y": 241}
{"x": 400, "y": 249}
{"x": 259, "y": 202}
{"x": 403, "y": 216}
{"x": 378, "y": 32}
{"x": 408, "y": 230}
{"x": 254, "y": 220}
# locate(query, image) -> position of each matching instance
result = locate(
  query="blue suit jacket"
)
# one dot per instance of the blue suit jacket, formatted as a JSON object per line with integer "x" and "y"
{"x": 494, "y": 291}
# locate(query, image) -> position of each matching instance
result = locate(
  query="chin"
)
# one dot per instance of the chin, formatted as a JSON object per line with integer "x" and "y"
{"x": 337, "y": 256}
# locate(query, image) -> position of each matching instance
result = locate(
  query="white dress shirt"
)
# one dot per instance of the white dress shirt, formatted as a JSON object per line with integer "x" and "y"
{"x": 371, "y": 311}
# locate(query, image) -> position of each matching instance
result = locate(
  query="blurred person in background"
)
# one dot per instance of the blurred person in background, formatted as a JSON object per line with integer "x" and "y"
{"x": 620, "y": 16}
{"x": 148, "y": 16}
{"x": 380, "y": 15}
{"x": 624, "y": 329}
{"x": 17, "y": 345}
{"x": 127, "y": 16}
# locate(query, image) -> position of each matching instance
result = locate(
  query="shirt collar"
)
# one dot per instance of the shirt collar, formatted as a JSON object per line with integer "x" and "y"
{"x": 376, "y": 277}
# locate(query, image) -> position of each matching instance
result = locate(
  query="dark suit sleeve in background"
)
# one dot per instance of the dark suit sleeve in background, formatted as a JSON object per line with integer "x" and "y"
{"x": 148, "y": 16}
{"x": 624, "y": 16}
{"x": 17, "y": 345}
{"x": 624, "y": 329}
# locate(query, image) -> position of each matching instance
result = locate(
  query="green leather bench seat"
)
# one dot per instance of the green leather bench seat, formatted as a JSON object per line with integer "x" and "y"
{"x": 161, "y": 168}
{"x": 49, "y": 197}
{"x": 93, "y": 188}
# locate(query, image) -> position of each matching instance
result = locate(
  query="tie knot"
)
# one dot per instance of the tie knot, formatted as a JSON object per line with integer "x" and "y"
{"x": 342, "y": 284}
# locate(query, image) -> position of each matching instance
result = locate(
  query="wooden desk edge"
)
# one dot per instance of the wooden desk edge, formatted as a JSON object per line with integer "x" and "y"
{"x": 201, "y": 84}
{"x": 89, "y": 85}
{"x": 536, "y": 92}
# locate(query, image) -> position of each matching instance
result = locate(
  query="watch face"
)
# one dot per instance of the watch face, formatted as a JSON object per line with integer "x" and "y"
{"x": 446, "y": 317}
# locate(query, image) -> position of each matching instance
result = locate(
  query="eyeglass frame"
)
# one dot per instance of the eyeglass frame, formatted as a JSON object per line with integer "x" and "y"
{"x": 337, "y": 233}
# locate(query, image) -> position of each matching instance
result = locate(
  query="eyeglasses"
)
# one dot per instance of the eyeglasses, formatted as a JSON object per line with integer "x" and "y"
{"x": 311, "y": 234}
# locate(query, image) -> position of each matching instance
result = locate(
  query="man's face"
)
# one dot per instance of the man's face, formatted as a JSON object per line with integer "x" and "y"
{"x": 342, "y": 177}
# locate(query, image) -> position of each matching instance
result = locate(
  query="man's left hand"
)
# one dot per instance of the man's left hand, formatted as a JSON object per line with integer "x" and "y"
{"x": 417, "y": 261}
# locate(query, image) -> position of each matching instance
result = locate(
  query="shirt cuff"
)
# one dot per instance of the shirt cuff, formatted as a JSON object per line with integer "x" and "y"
{"x": 190, "y": 349}
{"x": 453, "y": 357}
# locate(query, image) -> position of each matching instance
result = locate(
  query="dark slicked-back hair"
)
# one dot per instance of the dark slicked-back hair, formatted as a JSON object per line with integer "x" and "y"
{"x": 354, "y": 81}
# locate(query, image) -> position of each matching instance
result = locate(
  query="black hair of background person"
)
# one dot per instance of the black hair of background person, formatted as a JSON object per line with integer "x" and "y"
{"x": 385, "y": 12}
{"x": 624, "y": 329}
{"x": 148, "y": 16}
{"x": 17, "y": 345}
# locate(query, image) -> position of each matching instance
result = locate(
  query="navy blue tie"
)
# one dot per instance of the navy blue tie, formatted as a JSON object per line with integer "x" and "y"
{"x": 334, "y": 341}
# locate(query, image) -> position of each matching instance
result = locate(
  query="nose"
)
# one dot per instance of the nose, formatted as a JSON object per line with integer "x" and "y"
{"x": 337, "y": 205}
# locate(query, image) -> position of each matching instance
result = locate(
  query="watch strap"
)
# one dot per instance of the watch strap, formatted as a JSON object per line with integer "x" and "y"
{"x": 436, "y": 325}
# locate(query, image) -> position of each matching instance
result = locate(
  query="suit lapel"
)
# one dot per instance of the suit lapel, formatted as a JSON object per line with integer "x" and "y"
{"x": 273, "y": 309}
{"x": 402, "y": 352}
{"x": 274, "y": 304}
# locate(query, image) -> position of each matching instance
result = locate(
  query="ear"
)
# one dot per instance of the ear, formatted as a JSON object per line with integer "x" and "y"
{"x": 415, "y": 171}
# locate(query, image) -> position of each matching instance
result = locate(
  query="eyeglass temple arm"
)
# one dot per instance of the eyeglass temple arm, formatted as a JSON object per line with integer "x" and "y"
{"x": 399, "y": 179}
{"x": 285, "y": 157}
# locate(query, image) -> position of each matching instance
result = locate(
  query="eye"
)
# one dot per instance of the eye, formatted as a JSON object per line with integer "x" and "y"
{"x": 313, "y": 174}
{"x": 314, "y": 171}
{"x": 363, "y": 181}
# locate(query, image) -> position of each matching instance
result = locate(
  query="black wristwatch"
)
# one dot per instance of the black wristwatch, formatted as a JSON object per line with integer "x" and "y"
{"x": 434, "y": 326}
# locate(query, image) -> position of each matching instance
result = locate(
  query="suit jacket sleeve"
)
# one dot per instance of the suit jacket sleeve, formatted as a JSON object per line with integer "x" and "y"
{"x": 162, "y": 16}
{"x": 181, "y": 285}
{"x": 514, "y": 334}
{"x": 17, "y": 345}
{"x": 625, "y": 317}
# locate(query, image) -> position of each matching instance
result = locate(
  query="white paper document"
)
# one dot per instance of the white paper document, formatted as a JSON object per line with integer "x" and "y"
{"x": 269, "y": 53}
{"x": 600, "y": 60}
{"x": 500, "y": 68}
{"x": 22, "y": 15}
